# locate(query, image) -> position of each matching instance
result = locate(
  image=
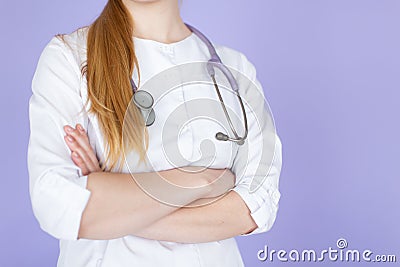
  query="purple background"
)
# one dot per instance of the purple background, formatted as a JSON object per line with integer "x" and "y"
{"x": 331, "y": 72}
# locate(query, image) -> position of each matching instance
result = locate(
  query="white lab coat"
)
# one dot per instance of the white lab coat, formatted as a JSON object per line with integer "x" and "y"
{"x": 58, "y": 188}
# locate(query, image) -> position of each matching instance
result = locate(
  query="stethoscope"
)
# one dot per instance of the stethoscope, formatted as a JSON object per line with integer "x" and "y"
{"x": 144, "y": 100}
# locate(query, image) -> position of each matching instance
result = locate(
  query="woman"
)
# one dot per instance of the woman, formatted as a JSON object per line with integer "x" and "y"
{"x": 81, "y": 191}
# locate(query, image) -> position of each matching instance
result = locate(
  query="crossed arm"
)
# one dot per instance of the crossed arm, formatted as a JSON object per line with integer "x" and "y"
{"x": 118, "y": 206}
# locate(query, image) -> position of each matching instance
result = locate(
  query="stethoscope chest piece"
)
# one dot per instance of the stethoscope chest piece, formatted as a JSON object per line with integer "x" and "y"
{"x": 144, "y": 101}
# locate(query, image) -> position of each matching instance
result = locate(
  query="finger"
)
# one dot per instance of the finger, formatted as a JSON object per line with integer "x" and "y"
{"x": 80, "y": 163}
{"x": 75, "y": 147}
{"x": 82, "y": 132}
{"x": 70, "y": 141}
{"x": 83, "y": 140}
{"x": 79, "y": 135}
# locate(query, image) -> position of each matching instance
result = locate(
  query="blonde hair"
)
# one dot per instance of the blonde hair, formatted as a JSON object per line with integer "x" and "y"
{"x": 111, "y": 60}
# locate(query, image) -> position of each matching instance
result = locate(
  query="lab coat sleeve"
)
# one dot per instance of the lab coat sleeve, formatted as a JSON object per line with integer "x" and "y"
{"x": 57, "y": 187}
{"x": 260, "y": 158}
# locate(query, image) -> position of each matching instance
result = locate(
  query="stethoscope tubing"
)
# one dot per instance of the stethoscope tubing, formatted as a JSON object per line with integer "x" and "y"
{"x": 214, "y": 62}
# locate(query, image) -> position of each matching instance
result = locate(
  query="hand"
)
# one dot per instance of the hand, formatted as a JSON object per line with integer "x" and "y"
{"x": 212, "y": 181}
{"x": 172, "y": 185}
{"x": 82, "y": 153}
{"x": 217, "y": 183}
{"x": 220, "y": 180}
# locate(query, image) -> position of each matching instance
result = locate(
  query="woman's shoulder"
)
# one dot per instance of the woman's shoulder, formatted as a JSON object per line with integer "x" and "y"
{"x": 230, "y": 57}
{"x": 61, "y": 59}
{"x": 236, "y": 60}
{"x": 72, "y": 44}
{"x": 75, "y": 40}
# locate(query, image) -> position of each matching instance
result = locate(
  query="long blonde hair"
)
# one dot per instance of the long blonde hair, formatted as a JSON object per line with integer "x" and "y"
{"x": 111, "y": 60}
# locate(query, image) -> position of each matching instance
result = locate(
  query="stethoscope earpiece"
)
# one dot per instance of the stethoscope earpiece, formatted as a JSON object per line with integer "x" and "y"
{"x": 221, "y": 136}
